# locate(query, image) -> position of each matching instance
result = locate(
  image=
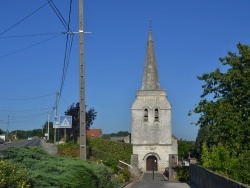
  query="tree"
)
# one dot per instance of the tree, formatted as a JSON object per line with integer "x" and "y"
{"x": 184, "y": 147}
{"x": 224, "y": 108}
{"x": 74, "y": 110}
{"x": 220, "y": 160}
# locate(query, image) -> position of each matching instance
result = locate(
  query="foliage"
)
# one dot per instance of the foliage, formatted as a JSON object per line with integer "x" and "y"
{"x": 224, "y": 108}
{"x": 220, "y": 160}
{"x": 106, "y": 136}
{"x": 184, "y": 147}
{"x": 112, "y": 162}
{"x": 99, "y": 150}
{"x": 69, "y": 149}
{"x": 1, "y": 131}
{"x": 119, "y": 133}
{"x": 123, "y": 175}
{"x": 183, "y": 173}
{"x": 11, "y": 175}
{"x": 56, "y": 171}
{"x": 119, "y": 150}
{"x": 74, "y": 110}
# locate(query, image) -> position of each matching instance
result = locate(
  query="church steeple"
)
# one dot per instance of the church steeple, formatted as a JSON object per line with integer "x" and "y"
{"x": 150, "y": 77}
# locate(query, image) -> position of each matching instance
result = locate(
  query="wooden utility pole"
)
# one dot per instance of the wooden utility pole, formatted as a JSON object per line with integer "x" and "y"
{"x": 82, "y": 84}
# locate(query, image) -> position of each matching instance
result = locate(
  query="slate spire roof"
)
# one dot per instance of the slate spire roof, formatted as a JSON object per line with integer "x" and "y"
{"x": 150, "y": 77}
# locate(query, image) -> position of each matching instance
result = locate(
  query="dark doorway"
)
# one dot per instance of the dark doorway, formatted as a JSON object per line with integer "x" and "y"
{"x": 151, "y": 163}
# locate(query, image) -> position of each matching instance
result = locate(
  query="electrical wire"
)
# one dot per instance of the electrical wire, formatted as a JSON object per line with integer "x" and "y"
{"x": 24, "y": 19}
{"x": 16, "y": 51}
{"x": 32, "y": 35}
{"x": 28, "y": 98}
{"x": 67, "y": 53}
{"x": 59, "y": 15}
{"x": 21, "y": 111}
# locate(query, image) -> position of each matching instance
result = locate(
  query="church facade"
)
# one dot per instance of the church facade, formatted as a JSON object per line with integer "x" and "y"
{"x": 151, "y": 130}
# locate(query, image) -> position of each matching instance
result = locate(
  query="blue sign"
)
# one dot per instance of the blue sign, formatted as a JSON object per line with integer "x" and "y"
{"x": 65, "y": 122}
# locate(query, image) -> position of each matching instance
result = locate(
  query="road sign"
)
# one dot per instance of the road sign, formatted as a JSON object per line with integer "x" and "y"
{"x": 65, "y": 122}
{"x": 56, "y": 125}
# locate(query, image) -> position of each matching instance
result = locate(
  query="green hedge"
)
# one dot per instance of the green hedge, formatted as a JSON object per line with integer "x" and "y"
{"x": 118, "y": 150}
{"x": 46, "y": 170}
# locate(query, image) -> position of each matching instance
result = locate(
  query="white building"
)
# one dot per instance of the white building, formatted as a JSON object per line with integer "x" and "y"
{"x": 151, "y": 134}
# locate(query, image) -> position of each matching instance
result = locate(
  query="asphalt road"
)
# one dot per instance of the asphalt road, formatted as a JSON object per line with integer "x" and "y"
{"x": 156, "y": 184}
{"x": 33, "y": 142}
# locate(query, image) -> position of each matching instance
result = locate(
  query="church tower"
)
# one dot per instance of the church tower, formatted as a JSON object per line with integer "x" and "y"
{"x": 151, "y": 134}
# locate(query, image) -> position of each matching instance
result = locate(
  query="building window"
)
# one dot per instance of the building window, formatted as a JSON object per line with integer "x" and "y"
{"x": 145, "y": 114}
{"x": 156, "y": 114}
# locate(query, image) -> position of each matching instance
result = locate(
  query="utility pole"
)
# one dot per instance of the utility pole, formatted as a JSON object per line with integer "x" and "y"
{"x": 82, "y": 83}
{"x": 7, "y": 131}
{"x": 56, "y": 117}
{"x": 48, "y": 125}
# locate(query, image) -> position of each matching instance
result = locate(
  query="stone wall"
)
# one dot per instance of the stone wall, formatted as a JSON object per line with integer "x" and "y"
{"x": 204, "y": 178}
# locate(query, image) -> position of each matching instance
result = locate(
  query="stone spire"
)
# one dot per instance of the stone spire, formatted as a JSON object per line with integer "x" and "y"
{"x": 150, "y": 77}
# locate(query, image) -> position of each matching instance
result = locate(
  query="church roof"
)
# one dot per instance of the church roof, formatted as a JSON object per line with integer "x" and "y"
{"x": 150, "y": 77}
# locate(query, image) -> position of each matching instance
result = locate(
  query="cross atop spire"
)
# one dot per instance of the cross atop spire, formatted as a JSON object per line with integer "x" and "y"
{"x": 150, "y": 77}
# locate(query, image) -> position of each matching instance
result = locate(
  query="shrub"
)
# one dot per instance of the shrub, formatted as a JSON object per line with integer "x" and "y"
{"x": 125, "y": 173}
{"x": 11, "y": 175}
{"x": 69, "y": 149}
{"x": 183, "y": 173}
{"x": 226, "y": 163}
{"x": 46, "y": 170}
{"x": 119, "y": 150}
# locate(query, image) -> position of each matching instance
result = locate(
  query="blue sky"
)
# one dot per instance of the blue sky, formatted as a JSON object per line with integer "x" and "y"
{"x": 189, "y": 39}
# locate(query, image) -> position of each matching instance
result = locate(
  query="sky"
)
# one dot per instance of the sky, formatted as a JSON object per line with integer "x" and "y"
{"x": 189, "y": 38}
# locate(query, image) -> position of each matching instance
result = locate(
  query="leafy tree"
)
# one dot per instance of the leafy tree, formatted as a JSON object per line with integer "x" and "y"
{"x": 184, "y": 147}
{"x": 74, "y": 110}
{"x": 224, "y": 108}
{"x": 106, "y": 136}
{"x": 120, "y": 133}
{"x": 1, "y": 131}
{"x": 220, "y": 160}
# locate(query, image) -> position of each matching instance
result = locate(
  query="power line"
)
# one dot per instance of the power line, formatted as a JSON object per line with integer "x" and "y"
{"x": 23, "y": 19}
{"x": 21, "y": 111}
{"x": 59, "y": 15}
{"x": 67, "y": 52}
{"x": 32, "y": 98}
{"x": 32, "y": 35}
{"x": 28, "y": 47}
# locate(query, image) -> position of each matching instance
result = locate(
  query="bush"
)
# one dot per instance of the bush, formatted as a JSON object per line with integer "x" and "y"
{"x": 69, "y": 149}
{"x": 119, "y": 150}
{"x": 226, "y": 163}
{"x": 46, "y": 170}
{"x": 112, "y": 163}
{"x": 183, "y": 173}
{"x": 122, "y": 176}
{"x": 11, "y": 175}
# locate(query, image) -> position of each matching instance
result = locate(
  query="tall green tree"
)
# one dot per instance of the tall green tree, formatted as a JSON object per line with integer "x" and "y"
{"x": 74, "y": 110}
{"x": 224, "y": 107}
{"x": 185, "y": 149}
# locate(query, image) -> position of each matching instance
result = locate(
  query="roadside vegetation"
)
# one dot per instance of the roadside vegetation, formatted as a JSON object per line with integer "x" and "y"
{"x": 34, "y": 167}
{"x": 103, "y": 151}
{"x": 223, "y": 139}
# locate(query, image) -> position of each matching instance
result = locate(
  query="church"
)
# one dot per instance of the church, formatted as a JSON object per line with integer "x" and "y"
{"x": 154, "y": 146}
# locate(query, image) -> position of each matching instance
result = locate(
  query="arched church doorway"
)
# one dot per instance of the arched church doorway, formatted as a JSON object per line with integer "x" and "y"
{"x": 151, "y": 163}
